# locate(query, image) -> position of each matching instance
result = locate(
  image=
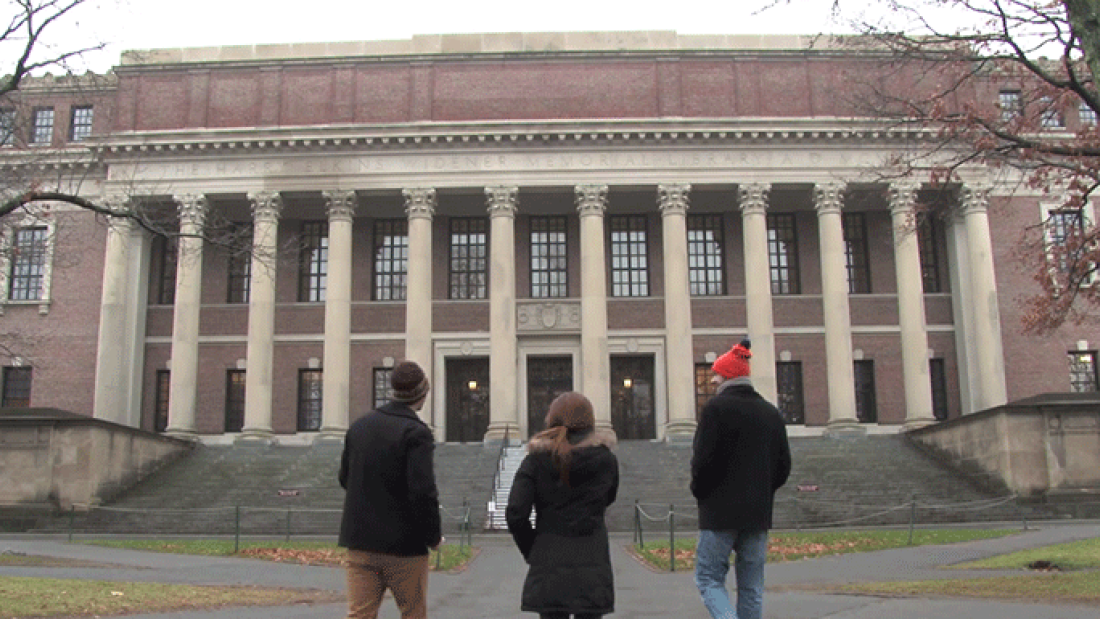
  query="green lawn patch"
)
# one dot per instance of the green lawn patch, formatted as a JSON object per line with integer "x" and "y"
{"x": 807, "y": 545}
{"x": 450, "y": 556}
{"x": 1084, "y": 554}
{"x": 1074, "y": 587}
{"x": 50, "y": 597}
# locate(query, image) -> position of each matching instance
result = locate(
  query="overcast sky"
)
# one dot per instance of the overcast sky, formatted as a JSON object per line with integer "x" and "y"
{"x": 148, "y": 24}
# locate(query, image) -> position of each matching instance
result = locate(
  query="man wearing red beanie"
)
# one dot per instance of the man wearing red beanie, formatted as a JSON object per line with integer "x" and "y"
{"x": 740, "y": 458}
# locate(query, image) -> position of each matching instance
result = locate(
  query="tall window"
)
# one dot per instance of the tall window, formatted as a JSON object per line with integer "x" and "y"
{"x": 1050, "y": 116}
{"x": 313, "y": 261}
{"x": 1011, "y": 104}
{"x": 7, "y": 127}
{"x": 160, "y": 405}
{"x": 42, "y": 126}
{"x": 17, "y": 387}
{"x": 166, "y": 251}
{"x": 629, "y": 258}
{"x": 234, "y": 400}
{"x": 866, "y": 408}
{"x": 239, "y": 280}
{"x": 783, "y": 254}
{"x": 788, "y": 382}
{"x": 1062, "y": 228}
{"x": 28, "y": 264}
{"x": 81, "y": 126}
{"x": 391, "y": 259}
{"x": 938, "y": 373}
{"x": 382, "y": 388}
{"x": 1086, "y": 115}
{"x": 704, "y": 236}
{"x": 931, "y": 241}
{"x": 309, "y": 400}
{"x": 704, "y": 388}
{"x": 1082, "y": 371}
{"x": 856, "y": 253}
{"x": 469, "y": 258}
{"x": 549, "y": 262}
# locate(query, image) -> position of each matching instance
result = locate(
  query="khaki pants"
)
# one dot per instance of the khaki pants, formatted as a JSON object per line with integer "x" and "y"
{"x": 371, "y": 573}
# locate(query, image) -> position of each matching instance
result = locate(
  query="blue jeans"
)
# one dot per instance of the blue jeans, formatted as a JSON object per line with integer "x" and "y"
{"x": 712, "y": 564}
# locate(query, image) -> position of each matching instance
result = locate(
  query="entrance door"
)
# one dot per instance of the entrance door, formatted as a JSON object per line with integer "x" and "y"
{"x": 547, "y": 378}
{"x": 632, "y": 394}
{"x": 467, "y": 400}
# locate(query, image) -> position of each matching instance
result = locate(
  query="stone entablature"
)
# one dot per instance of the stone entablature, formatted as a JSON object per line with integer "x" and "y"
{"x": 556, "y": 317}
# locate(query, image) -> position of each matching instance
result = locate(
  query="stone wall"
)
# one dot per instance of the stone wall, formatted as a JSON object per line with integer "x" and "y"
{"x": 1041, "y": 446}
{"x": 58, "y": 460}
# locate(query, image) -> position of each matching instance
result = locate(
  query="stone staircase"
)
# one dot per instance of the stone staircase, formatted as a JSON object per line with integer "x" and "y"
{"x": 293, "y": 490}
{"x": 510, "y": 459}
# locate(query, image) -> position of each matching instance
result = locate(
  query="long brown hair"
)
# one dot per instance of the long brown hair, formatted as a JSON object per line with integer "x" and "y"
{"x": 570, "y": 411}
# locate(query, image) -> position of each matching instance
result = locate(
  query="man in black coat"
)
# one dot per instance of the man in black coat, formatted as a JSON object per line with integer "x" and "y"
{"x": 391, "y": 508}
{"x": 741, "y": 457}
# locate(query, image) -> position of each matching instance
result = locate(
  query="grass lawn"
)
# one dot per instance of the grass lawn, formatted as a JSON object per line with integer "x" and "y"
{"x": 301, "y": 552}
{"x": 1074, "y": 587}
{"x": 49, "y": 597}
{"x": 807, "y": 545}
{"x": 1084, "y": 554}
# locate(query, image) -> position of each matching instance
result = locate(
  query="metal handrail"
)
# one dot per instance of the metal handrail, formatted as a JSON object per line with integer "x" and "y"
{"x": 500, "y": 462}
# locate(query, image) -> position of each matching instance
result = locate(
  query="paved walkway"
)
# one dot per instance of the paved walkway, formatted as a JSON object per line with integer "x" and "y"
{"x": 490, "y": 588}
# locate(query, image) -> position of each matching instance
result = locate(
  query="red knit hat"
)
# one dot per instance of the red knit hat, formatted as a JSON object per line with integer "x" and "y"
{"x": 734, "y": 363}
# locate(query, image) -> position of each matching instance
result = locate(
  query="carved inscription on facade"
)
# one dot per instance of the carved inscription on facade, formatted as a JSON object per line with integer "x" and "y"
{"x": 560, "y": 316}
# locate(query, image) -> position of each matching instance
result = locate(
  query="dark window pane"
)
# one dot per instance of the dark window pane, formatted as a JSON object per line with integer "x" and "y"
{"x": 629, "y": 260}
{"x": 310, "y": 397}
{"x": 391, "y": 249}
{"x": 549, "y": 269}
{"x": 17, "y": 387}
{"x": 28, "y": 264}
{"x": 313, "y": 261}
{"x": 705, "y": 255}
{"x": 856, "y": 253}
{"x": 783, "y": 254}
{"x": 234, "y": 400}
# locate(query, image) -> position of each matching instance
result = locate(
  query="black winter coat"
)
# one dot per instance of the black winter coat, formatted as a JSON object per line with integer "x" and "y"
{"x": 567, "y": 549}
{"x": 391, "y": 505}
{"x": 741, "y": 457}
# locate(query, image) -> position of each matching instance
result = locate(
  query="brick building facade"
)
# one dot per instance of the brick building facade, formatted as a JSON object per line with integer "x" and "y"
{"x": 523, "y": 215}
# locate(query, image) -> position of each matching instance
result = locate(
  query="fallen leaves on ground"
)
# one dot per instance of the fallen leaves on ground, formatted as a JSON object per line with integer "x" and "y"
{"x": 317, "y": 556}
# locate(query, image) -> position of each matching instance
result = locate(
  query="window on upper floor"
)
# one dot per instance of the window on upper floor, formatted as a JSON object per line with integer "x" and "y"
{"x": 932, "y": 244}
{"x": 28, "y": 258}
{"x": 783, "y": 253}
{"x": 313, "y": 261}
{"x": 789, "y": 398}
{"x": 160, "y": 402}
{"x": 1086, "y": 115}
{"x": 239, "y": 264}
{"x": 1064, "y": 230}
{"x": 938, "y": 374}
{"x": 705, "y": 255}
{"x": 549, "y": 258}
{"x": 1050, "y": 117}
{"x": 1082, "y": 371}
{"x": 469, "y": 265}
{"x": 165, "y": 259}
{"x": 704, "y": 387}
{"x": 42, "y": 126}
{"x": 7, "y": 127}
{"x": 234, "y": 400}
{"x": 856, "y": 253}
{"x": 866, "y": 408}
{"x": 1011, "y": 104}
{"x": 17, "y": 387}
{"x": 80, "y": 125}
{"x": 391, "y": 259}
{"x": 310, "y": 383}
{"x": 629, "y": 256}
{"x": 382, "y": 388}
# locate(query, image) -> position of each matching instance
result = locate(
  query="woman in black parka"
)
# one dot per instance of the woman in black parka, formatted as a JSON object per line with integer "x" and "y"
{"x": 569, "y": 477}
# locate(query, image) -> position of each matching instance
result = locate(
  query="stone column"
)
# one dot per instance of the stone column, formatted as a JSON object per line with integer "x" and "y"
{"x": 503, "y": 345}
{"x": 185, "y": 316}
{"x": 834, "y": 298}
{"x": 679, "y": 352}
{"x": 758, "y": 287}
{"x": 420, "y": 206}
{"x": 595, "y": 362}
{"x": 988, "y": 368}
{"x": 266, "y": 207}
{"x": 911, "y": 320}
{"x": 112, "y": 370}
{"x": 336, "y": 397}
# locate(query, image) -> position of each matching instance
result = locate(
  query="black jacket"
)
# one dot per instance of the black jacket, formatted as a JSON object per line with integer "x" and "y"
{"x": 391, "y": 505}
{"x": 567, "y": 549}
{"x": 741, "y": 457}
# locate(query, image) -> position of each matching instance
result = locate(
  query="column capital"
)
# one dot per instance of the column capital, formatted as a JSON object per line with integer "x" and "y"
{"x": 266, "y": 205}
{"x": 419, "y": 202}
{"x": 673, "y": 198}
{"x": 975, "y": 198}
{"x": 191, "y": 207}
{"x": 118, "y": 203}
{"x": 591, "y": 199}
{"x": 903, "y": 197}
{"x": 754, "y": 197}
{"x": 828, "y": 198}
{"x": 502, "y": 200}
{"x": 341, "y": 204}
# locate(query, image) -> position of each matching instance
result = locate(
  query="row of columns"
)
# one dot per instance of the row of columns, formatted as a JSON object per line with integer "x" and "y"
{"x": 594, "y": 376}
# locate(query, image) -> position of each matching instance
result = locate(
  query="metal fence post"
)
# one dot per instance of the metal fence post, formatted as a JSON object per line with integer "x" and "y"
{"x": 288, "y": 525}
{"x": 638, "y": 523}
{"x": 72, "y": 521}
{"x": 237, "y": 530}
{"x": 912, "y": 516}
{"x": 671, "y": 538}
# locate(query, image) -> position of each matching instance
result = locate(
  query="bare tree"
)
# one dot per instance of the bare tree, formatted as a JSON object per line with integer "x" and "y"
{"x": 1005, "y": 84}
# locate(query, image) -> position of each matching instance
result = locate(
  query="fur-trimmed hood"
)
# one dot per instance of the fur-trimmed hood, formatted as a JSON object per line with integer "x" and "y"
{"x": 592, "y": 438}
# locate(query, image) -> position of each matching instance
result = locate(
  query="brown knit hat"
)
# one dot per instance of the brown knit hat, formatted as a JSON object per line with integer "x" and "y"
{"x": 572, "y": 410}
{"x": 409, "y": 382}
